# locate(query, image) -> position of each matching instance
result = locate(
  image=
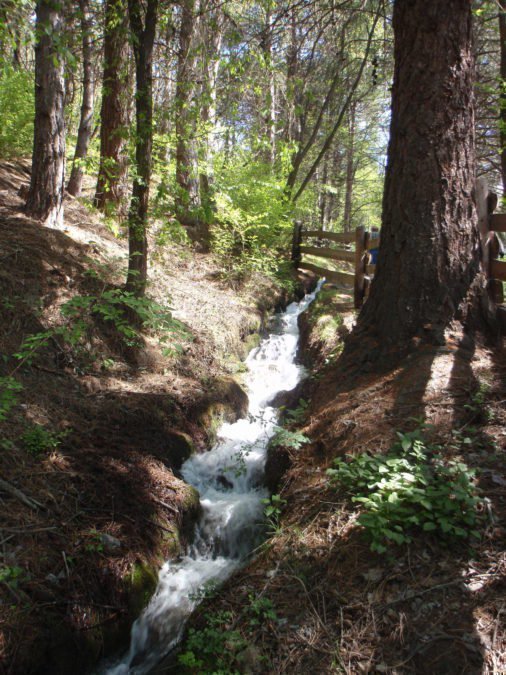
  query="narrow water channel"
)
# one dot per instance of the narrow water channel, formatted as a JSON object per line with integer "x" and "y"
{"x": 229, "y": 479}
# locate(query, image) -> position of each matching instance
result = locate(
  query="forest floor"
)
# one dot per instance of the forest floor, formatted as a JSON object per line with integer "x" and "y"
{"x": 317, "y": 599}
{"x": 90, "y": 446}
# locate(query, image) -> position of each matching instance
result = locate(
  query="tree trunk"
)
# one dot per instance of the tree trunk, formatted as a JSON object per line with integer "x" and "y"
{"x": 268, "y": 102}
{"x": 429, "y": 255}
{"x": 335, "y": 197}
{"x": 188, "y": 205}
{"x": 502, "y": 98}
{"x": 350, "y": 170}
{"x": 74, "y": 186}
{"x": 323, "y": 194}
{"x": 111, "y": 190}
{"x": 143, "y": 33}
{"x": 45, "y": 197}
{"x": 211, "y": 38}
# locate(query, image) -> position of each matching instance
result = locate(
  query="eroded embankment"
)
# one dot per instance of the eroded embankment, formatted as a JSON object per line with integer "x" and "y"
{"x": 317, "y": 599}
{"x": 95, "y": 436}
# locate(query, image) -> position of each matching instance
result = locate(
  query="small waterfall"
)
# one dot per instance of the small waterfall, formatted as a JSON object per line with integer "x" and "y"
{"x": 229, "y": 480}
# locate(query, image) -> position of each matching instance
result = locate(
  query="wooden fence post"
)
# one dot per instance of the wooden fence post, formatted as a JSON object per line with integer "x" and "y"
{"x": 297, "y": 238}
{"x": 482, "y": 208}
{"x": 360, "y": 249}
{"x": 486, "y": 203}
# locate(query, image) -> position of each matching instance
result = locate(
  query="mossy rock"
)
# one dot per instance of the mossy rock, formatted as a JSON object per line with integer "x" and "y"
{"x": 140, "y": 584}
{"x": 224, "y": 401}
{"x": 192, "y": 510}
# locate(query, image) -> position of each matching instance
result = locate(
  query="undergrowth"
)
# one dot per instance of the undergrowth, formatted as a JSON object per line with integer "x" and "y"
{"x": 219, "y": 647}
{"x": 411, "y": 489}
{"x": 115, "y": 307}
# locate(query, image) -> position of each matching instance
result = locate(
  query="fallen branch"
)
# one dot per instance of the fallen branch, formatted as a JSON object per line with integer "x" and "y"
{"x": 14, "y": 492}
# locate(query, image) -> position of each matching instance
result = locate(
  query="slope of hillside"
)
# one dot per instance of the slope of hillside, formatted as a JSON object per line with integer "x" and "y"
{"x": 93, "y": 432}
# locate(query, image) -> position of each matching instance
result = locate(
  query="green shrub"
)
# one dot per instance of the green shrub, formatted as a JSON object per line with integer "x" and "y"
{"x": 253, "y": 217}
{"x": 410, "y": 489}
{"x": 16, "y": 112}
{"x": 37, "y": 439}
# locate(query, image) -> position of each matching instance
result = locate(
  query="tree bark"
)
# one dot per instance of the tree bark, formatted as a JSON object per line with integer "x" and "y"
{"x": 111, "y": 190}
{"x": 350, "y": 170}
{"x": 211, "y": 38}
{"x": 502, "y": 97}
{"x": 429, "y": 256}
{"x": 84, "y": 133}
{"x": 45, "y": 197}
{"x": 268, "y": 100}
{"x": 143, "y": 33}
{"x": 188, "y": 204}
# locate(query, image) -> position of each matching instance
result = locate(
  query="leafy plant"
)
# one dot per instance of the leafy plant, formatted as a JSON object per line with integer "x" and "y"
{"x": 37, "y": 439}
{"x": 260, "y": 610}
{"x": 9, "y": 387}
{"x": 477, "y": 405}
{"x": 273, "y": 508}
{"x": 12, "y": 576}
{"x": 216, "y": 648}
{"x": 288, "y": 439}
{"x": 411, "y": 488}
{"x": 213, "y": 649}
{"x": 298, "y": 414}
{"x": 116, "y": 307}
{"x": 16, "y": 112}
{"x": 94, "y": 544}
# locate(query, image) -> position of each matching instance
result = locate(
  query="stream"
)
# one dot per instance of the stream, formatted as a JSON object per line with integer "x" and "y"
{"x": 229, "y": 479}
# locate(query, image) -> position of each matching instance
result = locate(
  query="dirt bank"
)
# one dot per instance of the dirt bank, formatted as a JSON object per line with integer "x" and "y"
{"x": 94, "y": 432}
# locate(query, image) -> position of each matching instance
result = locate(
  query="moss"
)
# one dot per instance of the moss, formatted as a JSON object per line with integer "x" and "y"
{"x": 326, "y": 326}
{"x": 250, "y": 342}
{"x": 140, "y": 585}
{"x": 225, "y": 401}
{"x": 171, "y": 541}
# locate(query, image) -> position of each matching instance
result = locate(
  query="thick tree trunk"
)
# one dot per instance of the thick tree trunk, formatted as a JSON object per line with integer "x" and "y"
{"x": 188, "y": 205}
{"x": 143, "y": 34}
{"x": 45, "y": 197}
{"x": 502, "y": 98}
{"x": 111, "y": 190}
{"x": 84, "y": 133}
{"x": 429, "y": 256}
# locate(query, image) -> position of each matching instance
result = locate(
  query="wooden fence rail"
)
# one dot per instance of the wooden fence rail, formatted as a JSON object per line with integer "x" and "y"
{"x": 360, "y": 278}
{"x": 364, "y": 241}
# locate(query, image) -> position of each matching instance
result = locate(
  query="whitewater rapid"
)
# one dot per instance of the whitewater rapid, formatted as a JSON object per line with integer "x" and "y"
{"x": 229, "y": 479}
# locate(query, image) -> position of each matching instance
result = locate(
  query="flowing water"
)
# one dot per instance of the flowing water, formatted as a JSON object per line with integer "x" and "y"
{"x": 229, "y": 480}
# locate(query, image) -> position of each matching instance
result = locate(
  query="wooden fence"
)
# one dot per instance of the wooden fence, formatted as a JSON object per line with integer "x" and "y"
{"x": 320, "y": 247}
{"x": 490, "y": 224}
{"x": 323, "y": 245}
